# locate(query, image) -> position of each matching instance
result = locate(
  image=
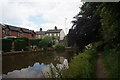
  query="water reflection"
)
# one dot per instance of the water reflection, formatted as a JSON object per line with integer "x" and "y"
{"x": 37, "y": 71}
{"x": 31, "y": 64}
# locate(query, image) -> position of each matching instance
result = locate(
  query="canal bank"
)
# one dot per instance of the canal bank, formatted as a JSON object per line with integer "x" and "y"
{"x": 37, "y": 50}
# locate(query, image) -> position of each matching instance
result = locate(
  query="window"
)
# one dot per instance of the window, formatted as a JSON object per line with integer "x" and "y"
{"x": 19, "y": 33}
{"x": 50, "y": 34}
{"x": 6, "y": 32}
{"x": 39, "y": 36}
{"x": 58, "y": 34}
{"x": 54, "y": 34}
{"x": 3, "y": 31}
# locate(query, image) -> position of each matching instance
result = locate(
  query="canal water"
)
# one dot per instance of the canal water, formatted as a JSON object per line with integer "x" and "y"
{"x": 34, "y": 65}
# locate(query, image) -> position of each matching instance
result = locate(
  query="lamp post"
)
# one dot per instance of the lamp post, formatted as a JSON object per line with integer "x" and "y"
{"x": 65, "y": 25}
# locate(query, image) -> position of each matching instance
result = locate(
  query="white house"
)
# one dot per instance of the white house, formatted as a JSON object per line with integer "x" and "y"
{"x": 57, "y": 33}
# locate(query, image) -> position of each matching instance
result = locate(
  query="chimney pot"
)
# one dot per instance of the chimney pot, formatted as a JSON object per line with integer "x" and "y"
{"x": 55, "y": 28}
{"x": 40, "y": 29}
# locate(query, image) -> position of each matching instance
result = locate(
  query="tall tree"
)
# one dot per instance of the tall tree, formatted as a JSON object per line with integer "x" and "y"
{"x": 85, "y": 27}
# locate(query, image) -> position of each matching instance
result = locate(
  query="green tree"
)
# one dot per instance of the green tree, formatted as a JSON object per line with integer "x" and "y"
{"x": 85, "y": 28}
{"x": 46, "y": 42}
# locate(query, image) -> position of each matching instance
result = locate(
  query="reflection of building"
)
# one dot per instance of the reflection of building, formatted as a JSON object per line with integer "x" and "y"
{"x": 57, "y": 33}
{"x": 12, "y": 31}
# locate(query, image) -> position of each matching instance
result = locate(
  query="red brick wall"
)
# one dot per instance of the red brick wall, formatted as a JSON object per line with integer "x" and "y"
{"x": 13, "y": 33}
{"x": 4, "y": 35}
{"x": 25, "y": 35}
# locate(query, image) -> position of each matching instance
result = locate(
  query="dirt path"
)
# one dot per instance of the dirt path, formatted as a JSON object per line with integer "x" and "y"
{"x": 100, "y": 73}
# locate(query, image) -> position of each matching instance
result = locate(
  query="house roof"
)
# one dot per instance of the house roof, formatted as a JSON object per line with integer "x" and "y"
{"x": 54, "y": 30}
{"x": 13, "y": 28}
{"x": 40, "y": 32}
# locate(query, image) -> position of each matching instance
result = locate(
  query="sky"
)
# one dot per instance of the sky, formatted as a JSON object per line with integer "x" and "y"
{"x": 36, "y": 14}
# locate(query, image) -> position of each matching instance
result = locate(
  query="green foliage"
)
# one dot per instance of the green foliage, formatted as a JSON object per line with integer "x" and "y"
{"x": 6, "y": 45}
{"x": 34, "y": 42}
{"x": 85, "y": 29}
{"x": 20, "y": 44}
{"x": 26, "y": 40}
{"x": 46, "y": 42}
{"x": 53, "y": 40}
{"x": 43, "y": 44}
{"x": 59, "y": 47}
{"x": 110, "y": 20}
{"x": 82, "y": 65}
{"x": 111, "y": 58}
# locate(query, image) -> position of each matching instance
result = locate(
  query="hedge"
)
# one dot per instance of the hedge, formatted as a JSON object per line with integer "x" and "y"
{"x": 24, "y": 39}
{"x": 6, "y": 45}
{"x": 20, "y": 44}
{"x": 59, "y": 47}
{"x": 34, "y": 42}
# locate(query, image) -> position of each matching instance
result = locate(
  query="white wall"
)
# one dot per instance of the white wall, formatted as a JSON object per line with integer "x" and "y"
{"x": 62, "y": 35}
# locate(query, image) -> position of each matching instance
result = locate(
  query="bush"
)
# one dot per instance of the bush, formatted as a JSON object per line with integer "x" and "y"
{"x": 82, "y": 66}
{"x": 20, "y": 44}
{"x": 6, "y": 45}
{"x": 111, "y": 58}
{"x": 34, "y": 42}
{"x": 59, "y": 47}
{"x": 43, "y": 44}
{"x": 46, "y": 42}
{"x": 26, "y": 40}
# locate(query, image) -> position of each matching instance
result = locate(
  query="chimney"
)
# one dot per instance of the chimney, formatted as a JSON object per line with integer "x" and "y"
{"x": 40, "y": 29}
{"x": 55, "y": 28}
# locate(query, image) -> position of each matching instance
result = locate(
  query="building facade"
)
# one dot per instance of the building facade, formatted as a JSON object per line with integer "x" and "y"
{"x": 40, "y": 34}
{"x": 57, "y": 33}
{"x": 12, "y": 31}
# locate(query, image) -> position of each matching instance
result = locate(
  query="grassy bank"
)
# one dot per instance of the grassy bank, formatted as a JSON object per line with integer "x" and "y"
{"x": 111, "y": 58}
{"x": 82, "y": 65}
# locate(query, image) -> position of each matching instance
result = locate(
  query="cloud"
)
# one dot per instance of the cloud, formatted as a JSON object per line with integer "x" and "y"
{"x": 18, "y": 12}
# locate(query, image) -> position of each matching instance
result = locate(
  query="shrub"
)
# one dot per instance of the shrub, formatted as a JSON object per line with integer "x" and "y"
{"x": 111, "y": 58}
{"x": 82, "y": 66}
{"x": 59, "y": 47}
{"x": 43, "y": 44}
{"x": 6, "y": 45}
{"x": 46, "y": 42}
{"x": 20, "y": 44}
{"x": 34, "y": 42}
{"x": 26, "y": 40}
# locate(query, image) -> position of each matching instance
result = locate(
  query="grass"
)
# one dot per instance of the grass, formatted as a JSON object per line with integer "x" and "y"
{"x": 111, "y": 58}
{"x": 82, "y": 65}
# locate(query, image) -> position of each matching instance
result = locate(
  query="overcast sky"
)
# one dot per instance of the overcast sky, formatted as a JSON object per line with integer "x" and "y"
{"x": 35, "y": 14}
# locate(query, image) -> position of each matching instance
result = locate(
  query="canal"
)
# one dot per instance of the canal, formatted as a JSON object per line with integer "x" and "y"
{"x": 33, "y": 65}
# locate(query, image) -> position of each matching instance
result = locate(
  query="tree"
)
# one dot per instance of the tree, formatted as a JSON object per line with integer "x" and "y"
{"x": 46, "y": 42}
{"x": 85, "y": 28}
{"x": 110, "y": 20}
